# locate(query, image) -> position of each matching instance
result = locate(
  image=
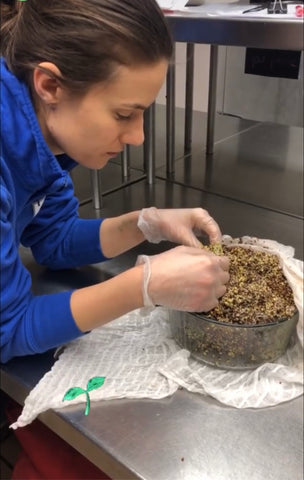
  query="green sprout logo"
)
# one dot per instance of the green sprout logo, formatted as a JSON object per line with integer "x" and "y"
{"x": 92, "y": 384}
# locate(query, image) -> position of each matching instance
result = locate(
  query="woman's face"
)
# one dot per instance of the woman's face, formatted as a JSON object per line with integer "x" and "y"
{"x": 95, "y": 127}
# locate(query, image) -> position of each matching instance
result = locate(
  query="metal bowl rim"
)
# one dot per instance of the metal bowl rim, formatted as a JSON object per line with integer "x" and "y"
{"x": 233, "y": 325}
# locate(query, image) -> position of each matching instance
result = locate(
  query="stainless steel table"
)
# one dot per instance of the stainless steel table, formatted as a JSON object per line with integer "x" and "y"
{"x": 221, "y": 24}
{"x": 185, "y": 436}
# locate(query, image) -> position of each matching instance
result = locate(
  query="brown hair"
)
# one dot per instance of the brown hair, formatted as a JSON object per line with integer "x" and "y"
{"x": 85, "y": 39}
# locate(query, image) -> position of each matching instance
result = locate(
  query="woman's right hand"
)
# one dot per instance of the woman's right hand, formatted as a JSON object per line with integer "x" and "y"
{"x": 184, "y": 278}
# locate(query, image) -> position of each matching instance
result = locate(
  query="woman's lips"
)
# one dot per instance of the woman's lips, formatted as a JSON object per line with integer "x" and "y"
{"x": 113, "y": 154}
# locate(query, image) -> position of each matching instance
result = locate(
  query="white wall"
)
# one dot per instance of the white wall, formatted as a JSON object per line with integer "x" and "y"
{"x": 248, "y": 96}
{"x": 265, "y": 99}
{"x": 201, "y": 77}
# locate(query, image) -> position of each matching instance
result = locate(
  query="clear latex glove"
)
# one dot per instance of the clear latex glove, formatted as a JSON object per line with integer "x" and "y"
{"x": 184, "y": 278}
{"x": 179, "y": 225}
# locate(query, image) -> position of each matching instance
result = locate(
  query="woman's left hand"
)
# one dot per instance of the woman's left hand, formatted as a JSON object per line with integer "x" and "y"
{"x": 178, "y": 225}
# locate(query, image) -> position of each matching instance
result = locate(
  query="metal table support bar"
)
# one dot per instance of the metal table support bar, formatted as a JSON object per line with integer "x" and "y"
{"x": 170, "y": 116}
{"x": 149, "y": 144}
{"x": 96, "y": 187}
{"x": 212, "y": 98}
{"x": 189, "y": 97}
{"x": 125, "y": 161}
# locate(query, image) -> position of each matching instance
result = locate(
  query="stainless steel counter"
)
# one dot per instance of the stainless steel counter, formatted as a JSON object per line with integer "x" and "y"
{"x": 218, "y": 24}
{"x": 183, "y": 437}
{"x": 221, "y": 24}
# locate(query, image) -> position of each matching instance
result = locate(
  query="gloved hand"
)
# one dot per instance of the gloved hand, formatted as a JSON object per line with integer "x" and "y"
{"x": 178, "y": 225}
{"x": 184, "y": 278}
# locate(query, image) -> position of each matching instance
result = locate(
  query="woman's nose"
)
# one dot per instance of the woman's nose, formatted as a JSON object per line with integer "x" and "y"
{"x": 134, "y": 134}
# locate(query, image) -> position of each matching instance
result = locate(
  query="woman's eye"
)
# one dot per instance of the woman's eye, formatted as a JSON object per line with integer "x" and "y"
{"x": 119, "y": 116}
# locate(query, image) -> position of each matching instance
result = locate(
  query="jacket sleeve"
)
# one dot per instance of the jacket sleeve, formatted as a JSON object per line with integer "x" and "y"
{"x": 58, "y": 237}
{"x": 29, "y": 324}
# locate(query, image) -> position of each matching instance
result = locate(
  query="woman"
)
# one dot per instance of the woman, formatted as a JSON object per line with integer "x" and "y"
{"x": 76, "y": 77}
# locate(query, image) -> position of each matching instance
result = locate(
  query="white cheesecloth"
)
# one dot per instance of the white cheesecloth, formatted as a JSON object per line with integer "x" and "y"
{"x": 140, "y": 359}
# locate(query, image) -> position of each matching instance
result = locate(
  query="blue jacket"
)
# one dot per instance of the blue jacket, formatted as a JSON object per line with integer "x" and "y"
{"x": 39, "y": 211}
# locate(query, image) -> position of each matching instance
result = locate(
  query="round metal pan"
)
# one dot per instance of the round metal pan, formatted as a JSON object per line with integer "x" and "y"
{"x": 232, "y": 346}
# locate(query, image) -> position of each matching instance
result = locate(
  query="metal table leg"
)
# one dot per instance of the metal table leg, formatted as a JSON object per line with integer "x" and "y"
{"x": 96, "y": 187}
{"x": 125, "y": 162}
{"x": 189, "y": 98}
{"x": 149, "y": 144}
{"x": 211, "y": 99}
{"x": 170, "y": 116}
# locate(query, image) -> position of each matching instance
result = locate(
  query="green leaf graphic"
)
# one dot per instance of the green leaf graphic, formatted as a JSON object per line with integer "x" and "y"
{"x": 92, "y": 384}
{"x": 95, "y": 382}
{"x": 73, "y": 393}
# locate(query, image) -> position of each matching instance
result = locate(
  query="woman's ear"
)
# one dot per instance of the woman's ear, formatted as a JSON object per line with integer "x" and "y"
{"x": 46, "y": 83}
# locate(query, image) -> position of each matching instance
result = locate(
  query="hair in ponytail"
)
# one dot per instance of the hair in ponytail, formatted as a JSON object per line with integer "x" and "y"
{"x": 85, "y": 39}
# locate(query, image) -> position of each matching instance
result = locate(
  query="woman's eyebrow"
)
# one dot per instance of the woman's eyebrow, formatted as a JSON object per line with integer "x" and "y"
{"x": 134, "y": 105}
